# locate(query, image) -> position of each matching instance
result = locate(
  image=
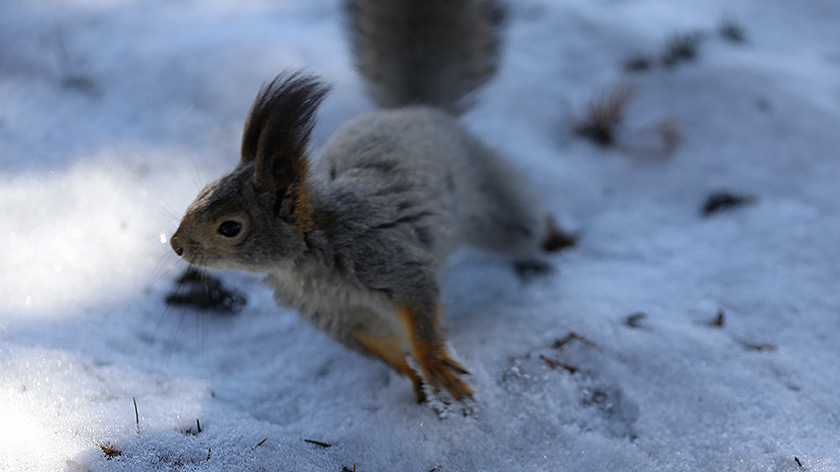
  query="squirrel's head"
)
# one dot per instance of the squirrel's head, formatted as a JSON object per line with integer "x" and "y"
{"x": 256, "y": 216}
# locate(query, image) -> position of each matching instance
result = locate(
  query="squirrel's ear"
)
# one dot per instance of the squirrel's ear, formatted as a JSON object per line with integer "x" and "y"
{"x": 277, "y": 132}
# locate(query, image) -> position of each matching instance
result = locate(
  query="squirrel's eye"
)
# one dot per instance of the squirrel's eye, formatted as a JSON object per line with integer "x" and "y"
{"x": 229, "y": 228}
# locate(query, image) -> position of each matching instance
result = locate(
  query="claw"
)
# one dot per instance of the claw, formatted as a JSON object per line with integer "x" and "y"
{"x": 457, "y": 366}
{"x": 440, "y": 370}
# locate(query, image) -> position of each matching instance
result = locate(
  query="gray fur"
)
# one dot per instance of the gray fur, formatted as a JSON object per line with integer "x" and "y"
{"x": 391, "y": 194}
{"x": 417, "y": 173}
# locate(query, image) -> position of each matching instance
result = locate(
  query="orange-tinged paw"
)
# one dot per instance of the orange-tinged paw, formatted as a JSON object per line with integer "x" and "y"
{"x": 442, "y": 370}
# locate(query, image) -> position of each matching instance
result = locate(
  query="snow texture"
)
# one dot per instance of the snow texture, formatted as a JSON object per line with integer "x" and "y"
{"x": 113, "y": 114}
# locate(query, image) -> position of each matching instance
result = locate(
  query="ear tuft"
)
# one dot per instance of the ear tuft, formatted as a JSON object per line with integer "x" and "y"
{"x": 278, "y": 127}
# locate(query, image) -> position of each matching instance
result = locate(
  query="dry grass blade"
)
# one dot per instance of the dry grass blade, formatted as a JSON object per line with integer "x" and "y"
{"x": 605, "y": 116}
{"x": 760, "y": 347}
{"x": 136, "y": 415}
{"x": 318, "y": 443}
{"x": 554, "y": 363}
{"x": 720, "y": 201}
{"x": 558, "y": 344}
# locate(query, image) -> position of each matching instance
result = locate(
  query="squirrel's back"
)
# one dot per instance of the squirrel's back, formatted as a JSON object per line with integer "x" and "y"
{"x": 418, "y": 166}
{"x": 425, "y": 52}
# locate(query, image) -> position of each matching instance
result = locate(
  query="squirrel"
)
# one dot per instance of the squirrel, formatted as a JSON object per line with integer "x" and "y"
{"x": 356, "y": 238}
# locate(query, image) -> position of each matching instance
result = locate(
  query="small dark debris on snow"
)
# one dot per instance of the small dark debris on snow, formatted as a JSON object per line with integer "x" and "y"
{"x": 81, "y": 84}
{"x": 635, "y": 320}
{"x": 596, "y": 397}
{"x": 110, "y": 451}
{"x": 732, "y": 31}
{"x": 558, "y": 344}
{"x": 638, "y": 64}
{"x": 719, "y": 320}
{"x": 798, "y": 462}
{"x": 760, "y": 347}
{"x": 554, "y": 363}
{"x": 348, "y": 469}
{"x": 198, "y": 289}
{"x": 318, "y": 443}
{"x": 557, "y": 238}
{"x": 720, "y": 201}
{"x": 762, "y": 104}
{"x": 681, "y": 47}
{"x": 529, "y": 269}
{"x": 261, "y": 442}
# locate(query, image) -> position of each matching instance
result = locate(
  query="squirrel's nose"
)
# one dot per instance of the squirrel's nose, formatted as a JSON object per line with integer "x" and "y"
{"x": 175, "y": 241}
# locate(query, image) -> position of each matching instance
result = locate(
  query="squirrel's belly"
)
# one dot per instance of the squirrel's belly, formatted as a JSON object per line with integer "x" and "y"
{"x": 333, "y": 305}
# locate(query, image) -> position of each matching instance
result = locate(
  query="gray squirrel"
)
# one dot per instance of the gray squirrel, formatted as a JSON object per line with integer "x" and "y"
{"x": 356, "y": 238}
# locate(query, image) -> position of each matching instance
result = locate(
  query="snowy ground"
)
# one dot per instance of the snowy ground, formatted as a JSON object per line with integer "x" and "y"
{"x": 114, "y": 113}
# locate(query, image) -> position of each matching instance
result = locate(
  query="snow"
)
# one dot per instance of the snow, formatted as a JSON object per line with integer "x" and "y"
{"x": 113, "y": 114}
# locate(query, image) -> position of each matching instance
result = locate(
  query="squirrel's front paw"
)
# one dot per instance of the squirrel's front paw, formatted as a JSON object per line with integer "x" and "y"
{"x": 442, "y": 370}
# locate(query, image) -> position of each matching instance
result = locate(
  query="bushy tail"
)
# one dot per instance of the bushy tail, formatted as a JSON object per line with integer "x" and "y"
{"x": 425, "y": 52}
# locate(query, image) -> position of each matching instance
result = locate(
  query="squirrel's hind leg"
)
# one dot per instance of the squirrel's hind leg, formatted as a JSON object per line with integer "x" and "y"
{"x": 428, "y": 348}
{"x": 393, "y": 350}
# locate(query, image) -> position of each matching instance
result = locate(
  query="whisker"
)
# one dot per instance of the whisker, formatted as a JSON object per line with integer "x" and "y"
{"x": 174, "y": 338}
{"x": 168, "y": 214}
{"x": 196, "y": 171}
{"x": 201, "y": 323}
{"x": 158, "y": 278}
{"x": 179, "y": 292}
{"x": 204, "y": 276}
{"x": 173, "y": 299}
